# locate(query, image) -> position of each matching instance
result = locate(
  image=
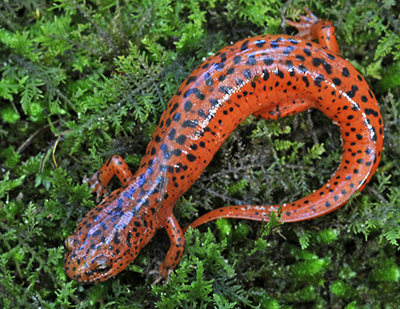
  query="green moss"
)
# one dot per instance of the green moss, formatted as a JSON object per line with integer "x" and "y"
{"x": 9, "y": 114}
{"x": 83, "y": 80}
{"x": 342, "y": 289}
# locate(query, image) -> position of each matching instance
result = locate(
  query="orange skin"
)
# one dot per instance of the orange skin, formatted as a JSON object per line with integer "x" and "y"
{"x": 269, "y": 76}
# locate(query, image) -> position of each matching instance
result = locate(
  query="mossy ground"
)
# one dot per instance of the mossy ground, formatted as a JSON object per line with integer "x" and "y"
{"x": 83, "y": 80}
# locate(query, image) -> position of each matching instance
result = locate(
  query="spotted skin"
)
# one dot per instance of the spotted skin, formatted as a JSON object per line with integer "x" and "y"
{"x": 269, "y": 76}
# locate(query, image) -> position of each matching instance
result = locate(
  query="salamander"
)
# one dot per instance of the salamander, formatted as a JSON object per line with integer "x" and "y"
{"x": 268, "y": 76}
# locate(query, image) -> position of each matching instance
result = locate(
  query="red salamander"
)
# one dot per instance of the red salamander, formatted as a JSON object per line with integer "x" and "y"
{"x": 269, "y": 76}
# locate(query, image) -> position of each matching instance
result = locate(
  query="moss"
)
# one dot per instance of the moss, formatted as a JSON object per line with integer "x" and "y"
{"x": 82, "y": 80}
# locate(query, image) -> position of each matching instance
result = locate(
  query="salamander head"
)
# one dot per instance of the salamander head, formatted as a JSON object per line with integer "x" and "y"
{"x": 107, "y": 240}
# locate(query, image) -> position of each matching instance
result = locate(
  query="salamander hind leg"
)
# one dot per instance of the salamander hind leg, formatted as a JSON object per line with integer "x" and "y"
{"x": 114, "y": 166}
{"x": 311, "y": 28}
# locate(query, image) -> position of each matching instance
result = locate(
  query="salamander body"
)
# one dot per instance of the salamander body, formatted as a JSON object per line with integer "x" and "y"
{"x": 269, "y": 76}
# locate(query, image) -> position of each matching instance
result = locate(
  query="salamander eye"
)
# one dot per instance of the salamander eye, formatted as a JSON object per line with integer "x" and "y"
{"x": 69, "y": 243}
{"x": 102, "y": 268}
{"x": 101, "y": 265}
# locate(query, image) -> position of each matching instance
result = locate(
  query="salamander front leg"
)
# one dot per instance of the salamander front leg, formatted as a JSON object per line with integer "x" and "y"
{"x": 114, "y": 166}
{"x": 175, "y": 252}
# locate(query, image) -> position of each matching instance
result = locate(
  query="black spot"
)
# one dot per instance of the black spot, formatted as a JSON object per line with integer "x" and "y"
{"x": 190, "y": 123}
{"x": 318, "y": 79}
{"x": 370, "y": 111}
{"x": 247, "y": 74}
{"x": 359, "y": 136}
{"x": 128, "y": 239}
{"x": 237, "y": 59}
{"x": 328, "y": 68}
{"x": 239, "y": 83}
{"x": 219, "y": 66}
{"x": 191, "y": 79}
{"x": 317, "y": 61}
{"x": 327, "y": 204}
{"x": 213, "y": 102}
{"x": 222, "y": 77}
{"x": 201, "y": 113}
{"x": 176, "y": 105}
{"x": 337, "y": 81}
{"x": 188, "y": 106}
{"x": 251, "y": 61}
{"x": 279, "y": 73}
{"x": 181, "y": 139}
{"x": 345, "y": 72}
{"x": 177, "y": 117}
{"x": 197, "y": 93}
{"x": 364, "y": 99}
{"x": 302, "y": 68}
{"x": 332, "y": 57}
{"x": 289, "y": 64}
{"x": 370, "y": 94}
{"x": 116, "y": 239}
{"x": 223, "y": 57}
{"x": 171, "y": 135}
{"x": 225, "y": 90}
{"x": 230, "y": 71}
{"x": 97, "y": 233}
{"x": 288, "y": 50}
{"x": 305, "y": 79}
{"x": 176, "y": 152}
{"x": 355, "y": 107}
{"x": 307, "y": 52}
{"x": 166, "y": 153}
{"x": 268, "y": 61}
{"x": 153, "y": 151}
{"x": 260, "y": 43}
{"x": 300, "y": 58}
{"x": 208, "y": 79}
{"x": 353, "y": 91}
{"x": 274, "y": 44}
{"x": 265, "y": 75}
{"x": 245, "y": 45}
{"x": 191, "y": 157}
